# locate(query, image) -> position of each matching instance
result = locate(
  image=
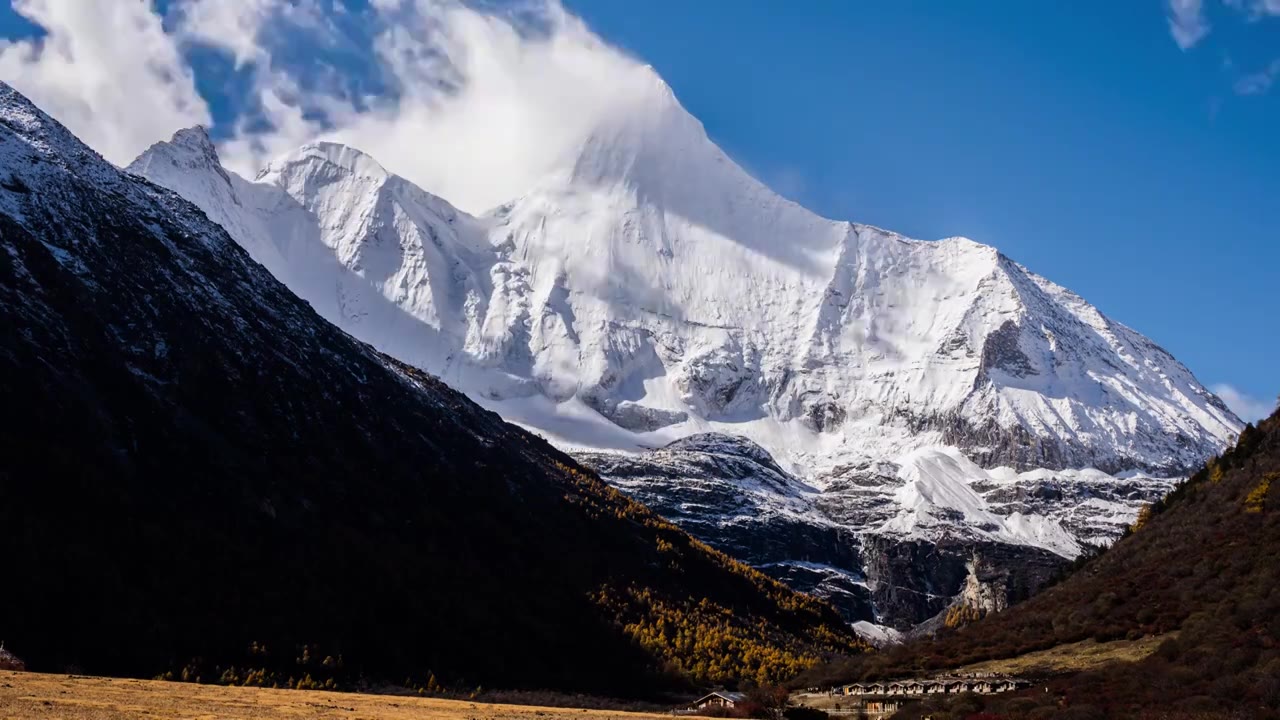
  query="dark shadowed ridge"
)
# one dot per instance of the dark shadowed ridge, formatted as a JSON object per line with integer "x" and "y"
{"x": 201, "y": 476}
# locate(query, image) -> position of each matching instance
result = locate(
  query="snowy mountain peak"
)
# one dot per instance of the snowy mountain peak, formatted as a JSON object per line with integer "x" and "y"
{"x": 188, "y": 164}
{"x": 325, "y": 157}
{"x": 189, "y": 149}
{"x": 352, "y": 178}
{"x": 656, "y": 286}
{"x": 651, "y": 290}
{"x": 195, "y": 138}
{"x": 641, "y": 139}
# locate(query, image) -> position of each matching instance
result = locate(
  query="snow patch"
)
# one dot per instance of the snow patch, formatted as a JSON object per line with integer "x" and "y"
{"x": 878, "y": 635}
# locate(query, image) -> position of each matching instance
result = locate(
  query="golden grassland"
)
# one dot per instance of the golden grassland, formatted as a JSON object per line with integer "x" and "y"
{"x": 1063, "y": 659}
{"x": 1073, "y": 657}
{"x": 27, "y": 696}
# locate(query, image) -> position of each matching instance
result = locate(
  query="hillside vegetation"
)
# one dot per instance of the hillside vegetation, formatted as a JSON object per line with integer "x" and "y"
{"x": 1084, "y": 655}
{"x": 1202, "y": 562}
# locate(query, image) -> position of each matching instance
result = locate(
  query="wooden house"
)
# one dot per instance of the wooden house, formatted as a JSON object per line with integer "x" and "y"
{"x": 719, "y": 698}
{"x": 1005, "y": 685}
{"x": 985, "y": 687}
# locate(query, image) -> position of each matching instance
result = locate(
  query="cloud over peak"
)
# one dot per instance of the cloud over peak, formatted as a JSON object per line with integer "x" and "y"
{"x": 106, "y": 70}
{"x": 472, "y": 104}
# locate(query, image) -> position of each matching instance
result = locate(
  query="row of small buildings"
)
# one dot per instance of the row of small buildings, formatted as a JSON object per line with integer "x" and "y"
{"x": 939, "y": 686}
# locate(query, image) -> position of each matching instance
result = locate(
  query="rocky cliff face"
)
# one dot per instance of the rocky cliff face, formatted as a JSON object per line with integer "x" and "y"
{"x": 914, "y": 583}
{"x": 868, "y": 539}
{"x": 728, "y": 492}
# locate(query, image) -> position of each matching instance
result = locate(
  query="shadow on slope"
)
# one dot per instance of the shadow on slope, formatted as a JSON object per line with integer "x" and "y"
{"x": 203, "y": 475}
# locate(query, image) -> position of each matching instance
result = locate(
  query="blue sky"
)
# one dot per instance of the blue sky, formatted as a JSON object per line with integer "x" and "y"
{"x": 1082, "y": 139}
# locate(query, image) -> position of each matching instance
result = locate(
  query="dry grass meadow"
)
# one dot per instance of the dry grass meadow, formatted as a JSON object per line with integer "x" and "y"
{"x": 1075, "y": 657}
{"x": 27, "y": 696}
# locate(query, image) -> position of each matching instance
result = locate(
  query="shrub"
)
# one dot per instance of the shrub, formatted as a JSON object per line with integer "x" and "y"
{"x": 804, "y": 713}
{"x": 9, "y": 661}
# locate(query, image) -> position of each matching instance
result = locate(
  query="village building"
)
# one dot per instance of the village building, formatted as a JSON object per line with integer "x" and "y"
{"x": 884, "y": 707}
{"x": 936, "y": 686}
{"x": 1006, "y": 686}
{"x": 981, "y": 686}
{"x": 719, "y": 698}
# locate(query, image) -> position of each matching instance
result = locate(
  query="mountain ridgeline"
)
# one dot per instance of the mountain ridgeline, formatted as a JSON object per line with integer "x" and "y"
{"x": 655, "y": 286}
{"x": 937, "y": 416}
{"x": 1198, "y": 571}
{"x": 201, "y": 476}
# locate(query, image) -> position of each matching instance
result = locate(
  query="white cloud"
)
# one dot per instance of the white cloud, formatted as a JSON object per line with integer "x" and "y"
{"x": 1259, "y": 83}
{"x": 1248, "y": 408}
{"x": 1255, "y": 8}
{"x": 232, "y": 26}
{"x": 288, "y": 127}
{"x": 483, "y": 104}
{"x": 473, "y": 106}
{"x": 1187, "y": 22}
{"x": 106, "y": 70}
{"x": 1188, "y": 25}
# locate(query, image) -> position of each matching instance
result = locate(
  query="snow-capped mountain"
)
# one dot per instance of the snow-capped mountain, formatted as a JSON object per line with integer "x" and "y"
{"x": 649, "y": 290}
{"x": 197, "y": 463}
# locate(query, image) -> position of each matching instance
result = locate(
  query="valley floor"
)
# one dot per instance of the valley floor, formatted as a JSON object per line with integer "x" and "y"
{"x": 25, "y": 696}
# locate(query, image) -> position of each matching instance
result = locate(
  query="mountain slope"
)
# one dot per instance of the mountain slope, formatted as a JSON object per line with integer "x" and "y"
{"x": 649, "y": 290}
{"x": 656, "y": 286}
{"x": 204, "y": 471}
{"x": 840, "y": 543}
{"x": 1199, "y": 571}
{"x": 692, "y": 288}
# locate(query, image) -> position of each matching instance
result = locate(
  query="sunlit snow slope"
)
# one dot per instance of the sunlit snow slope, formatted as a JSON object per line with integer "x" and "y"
{"x": 655, "y": 282}
{"x": 650, "y": 289}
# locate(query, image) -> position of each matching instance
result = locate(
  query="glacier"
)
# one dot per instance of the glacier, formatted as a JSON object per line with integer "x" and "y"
{"x": 649, "y": 291}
